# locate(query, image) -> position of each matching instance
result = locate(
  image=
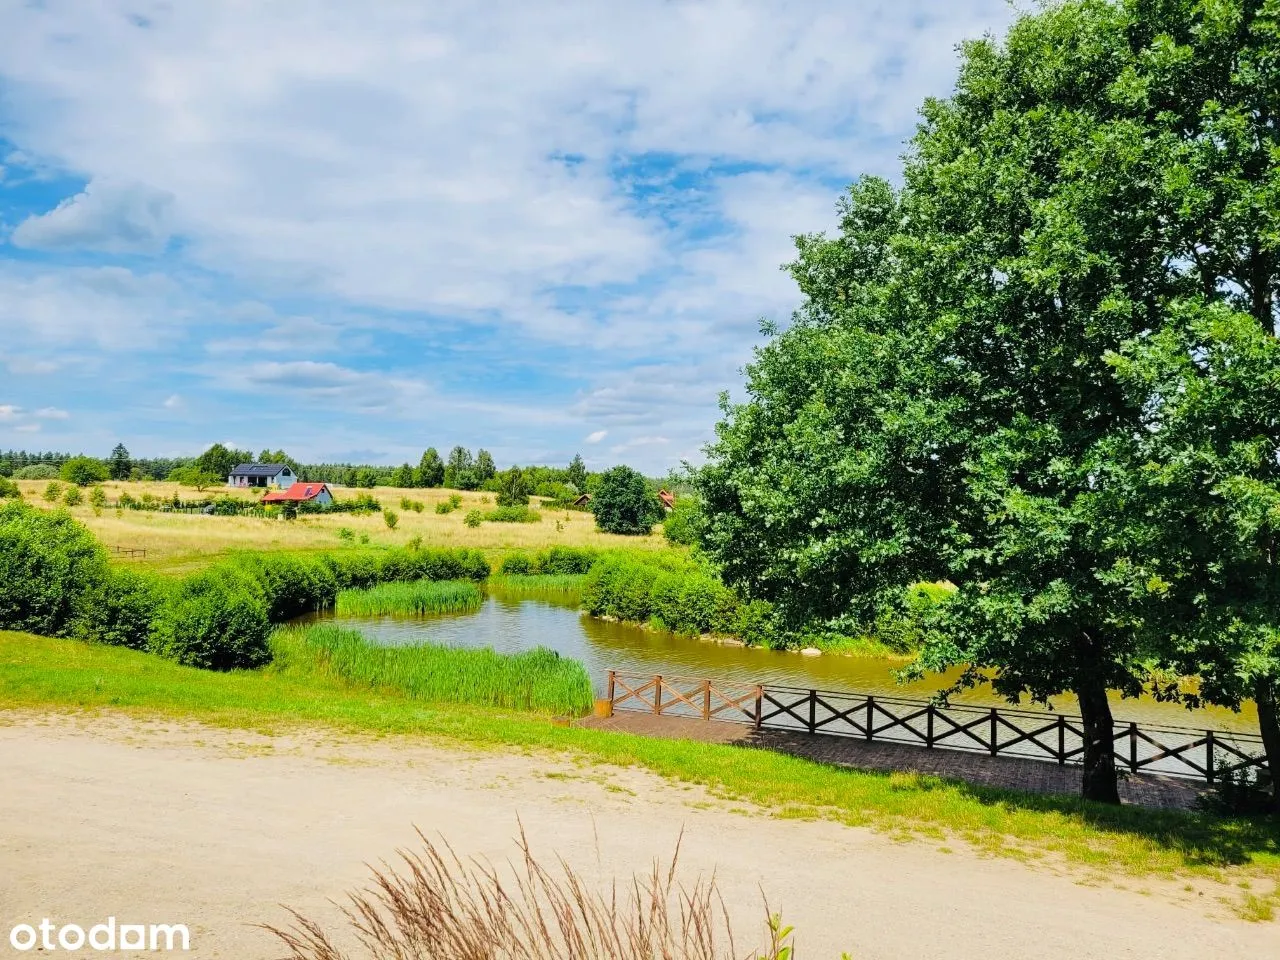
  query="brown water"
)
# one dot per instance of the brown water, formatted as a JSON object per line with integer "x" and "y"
{"x": 508, "y": 622}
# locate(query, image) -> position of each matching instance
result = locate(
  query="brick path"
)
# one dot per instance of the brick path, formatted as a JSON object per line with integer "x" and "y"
{"x": 1032, "y": 776}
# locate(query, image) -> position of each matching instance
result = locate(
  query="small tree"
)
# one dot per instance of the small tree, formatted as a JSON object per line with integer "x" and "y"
{"x": 52, "y": 491}
{"x": 513, "y": 491}
{"x": 73, "y": 497}
{"x": 683, "y": 522}
{"x": 195, "y": 477}
{"x": 83, "y": 471}
{"x": 577, "y": 473}
{"x": 120, "y": 463}
{"x": 430, "y": 472}
{"x": 623, "y": 503}
{"x": 459, "y": 473}
{"x": 403, "y": 477}
{"x": 390, "y": 518}
{"x": 484, "y": 468}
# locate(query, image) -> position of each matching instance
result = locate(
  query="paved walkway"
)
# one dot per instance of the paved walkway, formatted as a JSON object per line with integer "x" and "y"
{"x": 1032, "y": 776}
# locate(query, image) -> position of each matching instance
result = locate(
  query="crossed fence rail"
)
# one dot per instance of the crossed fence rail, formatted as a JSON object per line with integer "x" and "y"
{"x": 129, "y": 551}
{"x": 1025, "y": 734}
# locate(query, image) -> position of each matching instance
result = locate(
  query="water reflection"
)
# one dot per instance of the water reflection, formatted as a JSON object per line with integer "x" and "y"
{"x": 509, "y": 622}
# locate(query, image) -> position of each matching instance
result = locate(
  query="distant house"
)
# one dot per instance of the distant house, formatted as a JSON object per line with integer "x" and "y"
{"x": 274, "y": 475}
{"x": 301, "y": 493}
{"x": 668, "y": 499}
{"x": 583, "y": 500}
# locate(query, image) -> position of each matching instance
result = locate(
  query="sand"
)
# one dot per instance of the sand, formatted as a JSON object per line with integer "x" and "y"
{"x": 166, "y": 822}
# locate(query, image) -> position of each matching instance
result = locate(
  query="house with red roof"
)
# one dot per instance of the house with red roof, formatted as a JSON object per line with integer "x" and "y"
{"x": 301, "y": 493}
{"x": 667, "y": 498}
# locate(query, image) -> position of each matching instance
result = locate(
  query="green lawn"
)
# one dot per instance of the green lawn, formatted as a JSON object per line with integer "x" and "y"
{"x": 41, "y": 673}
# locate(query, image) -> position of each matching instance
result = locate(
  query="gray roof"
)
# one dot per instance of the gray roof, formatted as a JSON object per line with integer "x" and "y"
{"x": 258, "y": 469}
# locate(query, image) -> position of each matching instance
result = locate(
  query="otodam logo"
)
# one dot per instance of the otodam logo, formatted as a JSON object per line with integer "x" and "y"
{"x": 46, "y": 936}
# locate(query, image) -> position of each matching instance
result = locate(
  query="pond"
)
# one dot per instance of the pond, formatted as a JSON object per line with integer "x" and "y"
{"x": 509, "y": 622}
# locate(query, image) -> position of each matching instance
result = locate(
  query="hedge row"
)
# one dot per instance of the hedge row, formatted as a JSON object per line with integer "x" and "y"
{"x": 557, "y": 560}
{"x": 55, "y": 579}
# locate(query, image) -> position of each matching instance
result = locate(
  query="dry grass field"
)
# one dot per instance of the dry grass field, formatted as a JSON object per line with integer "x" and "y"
{"x": 183, "y": 542}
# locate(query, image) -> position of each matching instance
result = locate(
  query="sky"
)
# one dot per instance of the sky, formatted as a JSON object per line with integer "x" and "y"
{"x": 353, "y": 231}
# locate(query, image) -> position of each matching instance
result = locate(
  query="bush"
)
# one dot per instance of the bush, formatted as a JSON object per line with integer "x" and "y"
{"x": 346, "y": 534}
{"x": 512, "y": 491}
{"x": 9, "y": 489}
{"x": 473, "y": 518}
{"x": 555, "y": 560}
{"x": 53, "y": 491}
{"x": 513, "y": 515}
{"x": 97, "y": 498}
{"x": 444, "y": 506}
{"x": 83, "y": 471}
{"x": 288, "y": 584}
{"x": 624, "y": 504}
{"x": 216, "y": 620}
{"x": 37, "y": 471}
{"x": 674, "y": 593}
{"x": 119, "y": 610}
{"x": 390, "y": 518}
{"x": 73, "y": 497}
{"x": 683, "y": 522}
{"x": 47, "y": 563}
{"x": 517, "y": 564}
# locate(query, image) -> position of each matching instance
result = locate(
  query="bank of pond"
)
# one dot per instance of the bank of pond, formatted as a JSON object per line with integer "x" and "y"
{"x": 649, "y": 613}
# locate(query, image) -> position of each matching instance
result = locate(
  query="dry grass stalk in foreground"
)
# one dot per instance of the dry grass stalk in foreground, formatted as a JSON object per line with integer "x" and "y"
{"x": 436, "y": 907}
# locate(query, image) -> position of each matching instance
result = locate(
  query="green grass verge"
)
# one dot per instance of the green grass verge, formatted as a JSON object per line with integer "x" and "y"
{"x": 414, "y": 598}
{"x": 39, "y": 673}
{"x": 537, "y": 680}
{"x": 554, "y": 586}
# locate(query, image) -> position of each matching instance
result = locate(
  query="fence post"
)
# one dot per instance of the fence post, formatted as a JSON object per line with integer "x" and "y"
{"x": 610, "y": 689}
{"x": 706, "y": 699}
{"x": 813, "y": 711}
{"x": 1208, "y": 756}
{"x": 928, "y": 738}
{"x": 657, "y": 694}
{"x": 1062, "y": 739}
{"x": 759, "y": 706}
{"x": 993, "y": 731}
{"x": 871, "y": 715}
{"x": 1133, "y": 747}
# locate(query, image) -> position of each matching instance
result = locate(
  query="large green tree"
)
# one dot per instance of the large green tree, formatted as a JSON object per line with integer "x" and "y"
{"x": 484, "y": 468}
{"x": 623, "y": 503}
{"x": 120, "y": 462}
{"x": 220, "y": 460}
{"x": 430, "y": 472}
{"x": 459, "y": 471}
{"x": 983, "y": 381}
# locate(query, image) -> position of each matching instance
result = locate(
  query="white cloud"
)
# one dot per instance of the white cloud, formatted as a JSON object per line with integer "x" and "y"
{"x": 52, "y": 413}
{"x": 596, "y": 436}
{"x": 172, "y": 402}
{"x": 109, "y": 217}
{"x": 27, "y": 428}
{"x": 9, "y": 412}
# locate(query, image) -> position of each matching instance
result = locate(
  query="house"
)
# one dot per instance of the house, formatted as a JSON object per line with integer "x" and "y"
{"x": 583, "y": 500}
{"x": 301, "y": 493}
{"x": 668, "y": 499}
{"x": 275, "y": 475}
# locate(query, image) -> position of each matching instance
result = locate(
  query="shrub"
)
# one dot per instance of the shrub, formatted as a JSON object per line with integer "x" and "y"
{"x": 73, "y": 497}
{"x": 513, "y": 515}
{"x": 119, "y": 610}
{"x": 513, "y": 491}
{"x": 216, "y": 620}
{"x": 566, "y": 559}
{"x": 47, "y": 562}
{"x": 624, "y": 504}
{"x": 346, "y": 534}
{"x": 518, "y": 564}
{"x": 390, "y": 518}
{"x": 97, "y": 498}
{"x": 455, "y": 500}
{"x": 53, "y": 491}
{"x": 683, "y": 522}
{"x": 37, "y": 471}
{"x": 83, "y": 471}
{"x": 288, "y": 584}
{"x": 473, "y": 518}
{"x": 445, "y": 506}
{"x": 9, "y": 489}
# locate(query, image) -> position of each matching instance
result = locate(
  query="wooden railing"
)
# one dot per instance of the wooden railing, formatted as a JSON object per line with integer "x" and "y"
{"x": 1025, "y": 734}
{"x": 129, "y": 551}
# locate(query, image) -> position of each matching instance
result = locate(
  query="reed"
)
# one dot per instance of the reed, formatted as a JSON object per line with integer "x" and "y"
{"x": 558, "y": 586}
{"x": 538, "y": 680}
{"x": 416, "y": 597}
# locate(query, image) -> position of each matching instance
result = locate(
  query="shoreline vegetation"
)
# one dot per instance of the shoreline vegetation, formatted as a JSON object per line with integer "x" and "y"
{"x": 308, "y": 686}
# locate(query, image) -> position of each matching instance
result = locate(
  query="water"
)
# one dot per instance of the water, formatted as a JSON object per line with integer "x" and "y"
{"x": 508, "y": 622}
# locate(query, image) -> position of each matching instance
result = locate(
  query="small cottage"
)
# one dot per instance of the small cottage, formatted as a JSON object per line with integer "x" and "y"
{"x": 276, "y": 476}
{"x": 583, "y": 500}
{"x": 301, "y": 493}
{"x": 668, "y": 499}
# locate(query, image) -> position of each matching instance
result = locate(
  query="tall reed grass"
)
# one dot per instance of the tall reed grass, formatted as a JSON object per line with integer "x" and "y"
{"x": 539, "y": 680}
{"x": 439, "y": 906}
{"x": 551, "y": 586}
{"x": 418, "y": 597}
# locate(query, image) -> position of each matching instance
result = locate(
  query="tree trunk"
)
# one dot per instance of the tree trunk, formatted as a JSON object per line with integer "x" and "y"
{"x": 1264, "y": 695}
{"x": 1099, "y": 743}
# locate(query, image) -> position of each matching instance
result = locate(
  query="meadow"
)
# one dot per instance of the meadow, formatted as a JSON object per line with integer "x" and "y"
{"x": 182, "y": 543}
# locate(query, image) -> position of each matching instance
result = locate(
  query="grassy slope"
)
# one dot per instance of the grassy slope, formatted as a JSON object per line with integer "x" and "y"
{"x": 39, "y": 672}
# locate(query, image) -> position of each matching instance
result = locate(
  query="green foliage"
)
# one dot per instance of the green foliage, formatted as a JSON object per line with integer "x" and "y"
{"x": 577, "y": 473}
{"x": 676, "y": 594}
{"x": 473, "y": 518}
{"x": 73, "y": 497}
{"x": 557, "y": 560}
{"x": 83, "y": 471}
{"x": 623, "y": 503}
{"x": 538, "y": 679}
{"x": 512, "y": 491}
{"x": 193, "y": 476}
{"x": 459, "y": 471}
{"x": 36, "y": 471}
{"x": 9, "y": 489}
{"x": 118, "y": 609}
{"x": 450, "y": 505}
{"x": 484, "y": 468}
{"x": 403, "y": 476}
{"x": 120, "y": 463}
{"x": 683, "y": 522}
{"x": 415, "y": 505}
{"x": 513, "y": 515}
{"x": 390, "y": 518}
{"x": 97, "y": 498}
{"x": 430, "y": 472}
{"x": 52, "y": 491}
{"x": 47, "y": 561}
{"x": 412, "y": 598}
{"x": 219, "y": 461}
{"x": 346, "y": 534}
{"x": 215, "y": 620}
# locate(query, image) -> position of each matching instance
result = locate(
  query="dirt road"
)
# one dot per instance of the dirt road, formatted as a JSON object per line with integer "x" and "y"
{"x": 154, "y": 822}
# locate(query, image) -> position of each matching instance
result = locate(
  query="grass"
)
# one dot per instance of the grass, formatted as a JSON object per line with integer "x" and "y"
{"x": 40, "y": 673}
{"x": 552, "y": 586}
{"x": 182, "y": 543}
{"x": 414, "y": 597}
{"x": 539, "y": 680}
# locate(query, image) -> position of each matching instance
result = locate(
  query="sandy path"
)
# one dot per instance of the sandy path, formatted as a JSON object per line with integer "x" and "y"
{"x": 166, "y": 822}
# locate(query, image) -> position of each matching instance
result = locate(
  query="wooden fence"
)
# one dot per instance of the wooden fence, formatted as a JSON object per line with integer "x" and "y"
{"x": 129, "y": 551}
{"x": 1026, "y": 734}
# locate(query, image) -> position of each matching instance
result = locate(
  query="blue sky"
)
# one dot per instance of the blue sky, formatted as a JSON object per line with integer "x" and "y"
{"x": 356, "y": 231}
